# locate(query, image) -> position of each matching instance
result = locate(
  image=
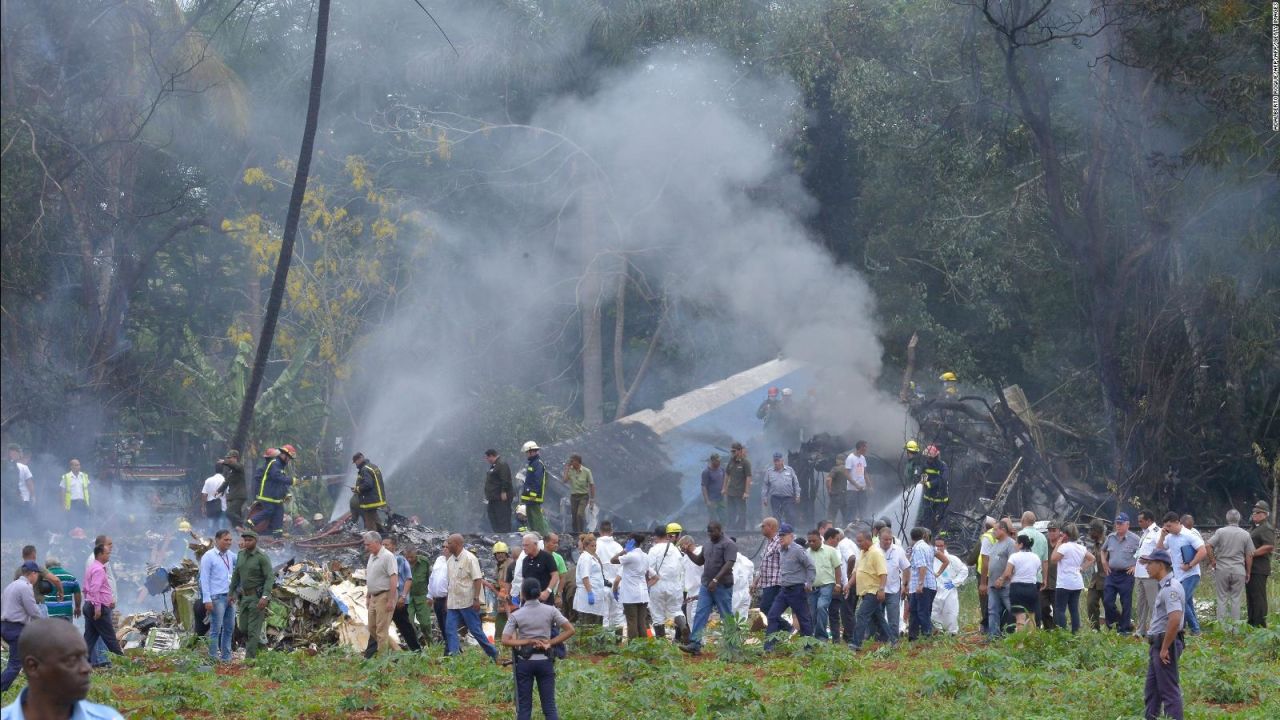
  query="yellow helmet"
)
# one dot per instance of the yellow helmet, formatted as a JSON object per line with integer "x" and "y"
{"x": 948, "y": 377}
{"x": 500, "y": 547}
{"x": 674, "y": 529}
{"x": 183, "y": 525}
{"x": 912, "y": 446}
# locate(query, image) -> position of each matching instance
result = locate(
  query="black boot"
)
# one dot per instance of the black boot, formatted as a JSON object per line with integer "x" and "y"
{"x": 660, "y": 631}
{"x": 682, "y": 629}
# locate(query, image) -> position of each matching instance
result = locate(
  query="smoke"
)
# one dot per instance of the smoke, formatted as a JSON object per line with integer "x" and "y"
{"x": 674, "y": 166}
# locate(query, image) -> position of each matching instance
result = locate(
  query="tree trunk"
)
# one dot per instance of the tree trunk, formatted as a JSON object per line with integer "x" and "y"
{"x": 300, "y": 177}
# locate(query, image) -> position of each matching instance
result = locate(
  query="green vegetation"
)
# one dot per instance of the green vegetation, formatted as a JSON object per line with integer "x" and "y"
{"x": 1036, "y": 675}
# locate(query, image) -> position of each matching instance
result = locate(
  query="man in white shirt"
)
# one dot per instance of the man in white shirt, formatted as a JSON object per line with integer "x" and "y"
{"x": 75, "y": 491}
{"x": 842, "y": 607}
{"x": 606, "y": 549}
{"x": 897, "y": 564}
{"x": 215, "y": 580}
{"x": 859, "y": 483}
{"x": 1187, "y": 549}
{"x": 26, "y": 485}
{"x": 1148, "y": 586}
{"x": 215, "y": 501}
{"x": 438, "y": 588}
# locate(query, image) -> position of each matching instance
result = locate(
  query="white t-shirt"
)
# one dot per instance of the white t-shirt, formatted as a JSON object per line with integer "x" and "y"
{"x": 606, "y": 549}
{"x": 857, "y": 467}
{"x": 1149, "y": 538}
{"x": 589, "y": 569}
{"x": 1069, "y": 577}
{"x": 847, "y": 549}
{"x": 77, "y": 483}
{"x": 895, "y": 560}
{"x": 1026, "y": 565}
{"x": 632, "y": 587}
{"x": 210, "y": 490}
{"x": 438, "y": 580}
{"x": 24, "y": 474}
{"x": 1175, "y": 543}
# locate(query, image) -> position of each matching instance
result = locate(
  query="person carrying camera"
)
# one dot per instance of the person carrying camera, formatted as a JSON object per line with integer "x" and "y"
{"x": 528, "y": 634}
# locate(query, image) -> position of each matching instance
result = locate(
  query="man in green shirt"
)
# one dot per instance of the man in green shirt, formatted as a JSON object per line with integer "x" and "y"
{"x": 826, "y": 565}
{"x": 582, "y": 490}
{"x": 420, "y": 606}
{"x": 737, "y": 486}
{"x": 251, "y": 581}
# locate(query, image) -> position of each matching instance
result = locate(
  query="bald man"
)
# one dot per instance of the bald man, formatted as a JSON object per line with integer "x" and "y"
{"x": 56, "y": 664}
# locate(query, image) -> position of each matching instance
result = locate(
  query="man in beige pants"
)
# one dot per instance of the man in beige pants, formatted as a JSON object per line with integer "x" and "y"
{"x": 380, "y": 580}
{"x": 1231, "y": 557}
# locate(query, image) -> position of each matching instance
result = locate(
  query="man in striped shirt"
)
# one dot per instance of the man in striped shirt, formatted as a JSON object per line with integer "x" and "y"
{"x": 68, "y": 606}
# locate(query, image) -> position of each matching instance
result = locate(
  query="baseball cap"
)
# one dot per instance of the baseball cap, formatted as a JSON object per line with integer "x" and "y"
{"x": 1159, "y": 556}
{"x": 1122, "y": 517}
{"x": 786, "y": 529}
{"x": 777, "y": 456}
{"x": 29, "y": 567}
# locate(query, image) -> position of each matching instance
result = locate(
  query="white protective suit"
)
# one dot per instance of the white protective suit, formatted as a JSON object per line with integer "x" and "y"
{"x": 606, "y": 549}
{"x": 743, "y": 572}
{"x": 692, "y": 581}
{"x": 946, "y": 604}
{"x": 666, "y": 597}
{"x": 589, "y": 567}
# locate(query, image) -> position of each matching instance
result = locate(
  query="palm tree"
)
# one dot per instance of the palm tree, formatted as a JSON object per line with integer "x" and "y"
{"x": 272, "y": 314}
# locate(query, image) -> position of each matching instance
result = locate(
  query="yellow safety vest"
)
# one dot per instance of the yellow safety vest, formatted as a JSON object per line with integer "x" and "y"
{"x": 982, "y": 560}
{"x": 377, "y": 484}
{"x": 262, "y": 485}
{"x": 66, "y": 492}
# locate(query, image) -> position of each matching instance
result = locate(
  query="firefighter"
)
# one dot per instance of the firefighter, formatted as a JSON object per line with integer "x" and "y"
{"x": 915, "y": 463}
{"x": 934, "y": 483}
{"x": 950, "y": 385}
{"x": 535, "y": 489}
{"x": 370, "y": 492}
{"x": 273, "y": 487}
{"x": 767, "y": 407}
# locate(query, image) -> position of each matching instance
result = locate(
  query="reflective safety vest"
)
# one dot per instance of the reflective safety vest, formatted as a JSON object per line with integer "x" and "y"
{"x": 990, "y": 537}
{"x": 373, "y": 497}
{"x": 935, "y": 483}
{"x": 66, "y": 489}
{"x": 262, "y": 484}
{"x": 535, "y": 489}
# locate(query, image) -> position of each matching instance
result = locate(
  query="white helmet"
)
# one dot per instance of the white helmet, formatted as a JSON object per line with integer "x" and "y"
{"x": 786, "y": 392}
{"x": 531, "y": 445}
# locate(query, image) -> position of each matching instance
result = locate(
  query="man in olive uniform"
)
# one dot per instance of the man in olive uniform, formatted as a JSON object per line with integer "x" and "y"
{"x": 372, "y": 493}
{"x": 1163, "y": 692}
{"x": 497, "y": 492}
{"x": 420, "y": 606}
{"x": 737, "y": 487}
{"x": 251, "y": 582}
{"x": 1264, "y": 543}
{"x": 1096, "y": 579}
{"x": 582, "y": 491}
{"x": 233, "y": 485}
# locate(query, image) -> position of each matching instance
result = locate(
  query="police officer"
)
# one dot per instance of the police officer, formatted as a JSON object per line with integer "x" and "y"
{"x": 250, "y": 588}
{"x": 371, "y": 493}
{"x": 1163, "y": 694}
{"x": 535, "y": 489}
{"x": 528, "y": 634}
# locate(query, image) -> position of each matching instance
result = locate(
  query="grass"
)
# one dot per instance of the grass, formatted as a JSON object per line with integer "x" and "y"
{"x": 1038, "y": 675}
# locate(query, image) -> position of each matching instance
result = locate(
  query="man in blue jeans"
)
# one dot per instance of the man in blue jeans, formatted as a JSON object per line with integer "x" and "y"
{"x": 716, "y": 591}
{"x": 796, "y": 575}
{"x": 1187, "y": 549}
{"x": 923, "y": 584}
{"x": 998, "y": 592}
{"x": 466, "y": 587}
{"x": 215, "y": 581}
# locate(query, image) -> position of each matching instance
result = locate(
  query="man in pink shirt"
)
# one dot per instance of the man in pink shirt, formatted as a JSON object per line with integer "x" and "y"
{"x": 98, "y": 603}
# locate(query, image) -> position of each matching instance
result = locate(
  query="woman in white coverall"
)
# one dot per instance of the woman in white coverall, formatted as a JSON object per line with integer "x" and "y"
{"x": 589, "y": 599}
{"x": 946, "y": 604}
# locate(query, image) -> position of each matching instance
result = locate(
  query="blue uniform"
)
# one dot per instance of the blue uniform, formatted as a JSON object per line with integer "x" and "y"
{"x": 273, "y": 485}
{"x": 1163, "y": 693}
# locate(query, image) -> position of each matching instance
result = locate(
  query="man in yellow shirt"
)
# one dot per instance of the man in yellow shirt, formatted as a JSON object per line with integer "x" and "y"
{"x": 869, "y": 577}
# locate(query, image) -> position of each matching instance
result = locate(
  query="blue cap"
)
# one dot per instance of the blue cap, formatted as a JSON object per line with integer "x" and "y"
{"x": 1122, "y": 517}
{"x": 30, "y": 566}
{"x": 786, "y": 529}
{"x": 1159, "y": 556}
{"x": 777, "y": 456}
